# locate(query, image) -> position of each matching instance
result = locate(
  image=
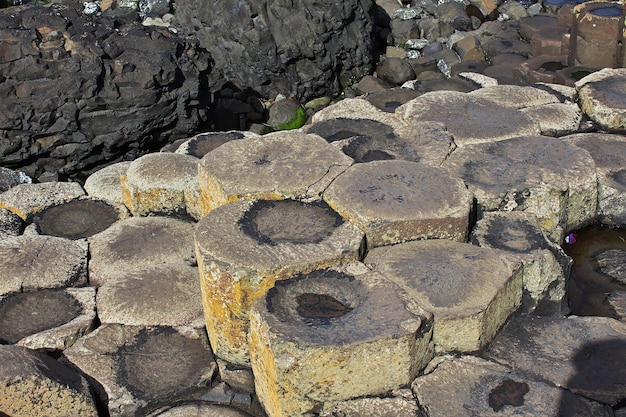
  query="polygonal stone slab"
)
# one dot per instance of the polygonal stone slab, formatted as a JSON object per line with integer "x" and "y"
{"x": 199, "y": 409}
{"x": 36, "y": 262}
{"x": 601, "y": 97}
{"x": 275, "y": 166}
{"x": 556, "y": 119}
{"x": 544, "y": 265}
{"x": 470, "y": 386}
{"x": 609, "y": 154}
{"x": 470, "y": 119}
{"x": 76, "y": 219}
{"x": 162, "y": 183}
{"x": 157, "y": 295}
{"x": 106, "y": 183}
{"x": 244, "y": 247}
{"x": 26, "y": 200}
{"x": 203, "y": 143}
{"x": 396, "y": 201}
{"x": 333, "y": 335}
{"x": 47, "y": 319}
{"x": 139, "y": 369}
{"x": 374, "y": 407}
{"x": 547, "y": 177}
{"x": 471, "y": 291}
{"x": 356, "y": 109}
{"x": 586, "y": 355}
{"x": 515, "y": 96}
{"x": 35, "y": 385}
{"x": 137, "y": 242}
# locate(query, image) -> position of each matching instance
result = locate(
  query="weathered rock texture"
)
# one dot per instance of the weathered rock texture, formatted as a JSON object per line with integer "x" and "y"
{"x": 295, "y": 47}
{"x": 77, "y": 90}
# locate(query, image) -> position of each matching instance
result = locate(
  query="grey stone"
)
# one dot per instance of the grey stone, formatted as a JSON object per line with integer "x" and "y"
{"x": 140, "y": 369}
{"x": 36, "y": 262}
{"x": 471, "y": 291}
{"x": 612, "y": 262}
{"x": 609, "y": 154}
{"x": 374, "y": 407}
{"x": 203, "y": 143}
{"x": 296, "y": 48}
{"x": 26, "y": 200}
{"x": 600, "y": 96}
{"x": 547, "y": 177}
{"x": 199, "y": 409}
{"x": 556, "y": 119}
{"x": 139, "y": 242}
{"x": 10, "y": 224}
{"x": 33, "y": 384}
{"x": 586, "y": 355}
{"x": 48, "y": 319}
{"x": 395, "y": 71}
{"x": 286, "y": 113}
{"x": 10, "y": 178}
{"x": 470, "y": 119}
{"x": 152, "y": 295}
{"x": 544, "y": 265}
{"x": 105, "y": 183}
{"x": 396, "y": 201}
{"x": 470, "y": 386}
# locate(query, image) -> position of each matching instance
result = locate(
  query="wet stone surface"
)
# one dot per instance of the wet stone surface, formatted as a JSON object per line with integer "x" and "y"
{"x": 334, "y": 130}
{"x": 45, "y": 309}
{"x": 283, "y": 221}
{"x": 76, "y": 219}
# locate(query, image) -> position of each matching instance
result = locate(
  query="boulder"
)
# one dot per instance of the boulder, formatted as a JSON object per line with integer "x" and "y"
{"x": 298, "y": 48}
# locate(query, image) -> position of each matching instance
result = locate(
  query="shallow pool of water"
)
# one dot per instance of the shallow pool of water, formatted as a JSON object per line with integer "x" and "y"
{"x": 588, "y": 287}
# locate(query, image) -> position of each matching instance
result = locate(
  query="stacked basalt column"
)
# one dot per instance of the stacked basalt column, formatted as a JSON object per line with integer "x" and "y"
{"x": 598, "y": 35}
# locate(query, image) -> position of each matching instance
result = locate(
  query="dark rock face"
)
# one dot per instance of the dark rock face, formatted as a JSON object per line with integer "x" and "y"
{"x": 76, "y": 90}
{"x": 299, "y": 48}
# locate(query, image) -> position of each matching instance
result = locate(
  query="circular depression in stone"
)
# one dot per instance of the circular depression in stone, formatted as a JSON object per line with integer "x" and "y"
{"x": 515, "y": 235}
{"x": 327, "y": 307}
{"x": 343, "y": 128}
{"x": 76, "y": 219}
{"x": 378, "y": 148}
{"x": 25, "y": 314}
{"x": 289, "y": 221}
{"x": 205, "y": 143}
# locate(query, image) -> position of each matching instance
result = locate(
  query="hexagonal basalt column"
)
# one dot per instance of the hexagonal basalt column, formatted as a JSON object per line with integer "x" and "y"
{"x": 244, "y": 247}
{"x": 272, "y": 167}
{"x": 162, "y": 183}
{"x": 547, "y": 177}
{"x": 544, "y": 264}
{"x": 396, "y": 201}
{"x": 470, "y": 290}
{"x": 332, "y": 335}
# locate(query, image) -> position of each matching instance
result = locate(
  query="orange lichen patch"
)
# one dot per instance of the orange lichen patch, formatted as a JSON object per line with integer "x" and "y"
{"x": 143, "y": 202}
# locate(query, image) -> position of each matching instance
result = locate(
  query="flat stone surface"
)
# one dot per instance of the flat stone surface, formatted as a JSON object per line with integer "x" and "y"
{"x": 47, "y": 319}
{"x": 36, "y": 262}
{"x": 555, "y": 119}
{"x": 544, "y": 264}
{"x": 471, "y": 119}
{"x": 245, "y": 247}
{"x": 162, "y": 183}
{"x": 76, "y": 219}
{"x": 199, "y": 409}
{"x": 515, "y": 96}
{"x": 396, "y": 201}
{"x": 131, "y": 243}
{"x": 609, "y": 154}
{"x": 471, "y": 291}
{"x": 140, "y": 369}
{"x": 106, "y": 183}
{"x": 547, "y": 177}
{"x": 203, "y": 143}
{"x": 374, "y": 407}
{"x": 470, "y": 386}
{"x": 155, "y": 295}
{"x": 275, "y": 166}
{"x": 586, "y": 355}
{"x": 601, "y": 97}
{"x": 353, "y": 109}
{"x": 333, "y": 335}
{"x": 612, "y": 262}
{"x": 33, "y": 384}
{"x": 26, "y": 200}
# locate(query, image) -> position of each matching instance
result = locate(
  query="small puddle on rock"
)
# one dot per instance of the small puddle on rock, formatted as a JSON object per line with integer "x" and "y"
{"x": 508, "y": 393}
{"x": 320, "y": 308}
{"x": 596, "y": 263}
{"x": 76, "y": 219}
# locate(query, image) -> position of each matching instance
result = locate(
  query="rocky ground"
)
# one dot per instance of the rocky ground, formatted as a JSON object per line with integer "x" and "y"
{"x": 400, "y": 255}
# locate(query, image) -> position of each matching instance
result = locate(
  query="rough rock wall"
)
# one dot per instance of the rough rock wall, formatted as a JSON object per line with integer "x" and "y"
{"x": 301, "y": 48}
{"x": 77, "y": 91}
